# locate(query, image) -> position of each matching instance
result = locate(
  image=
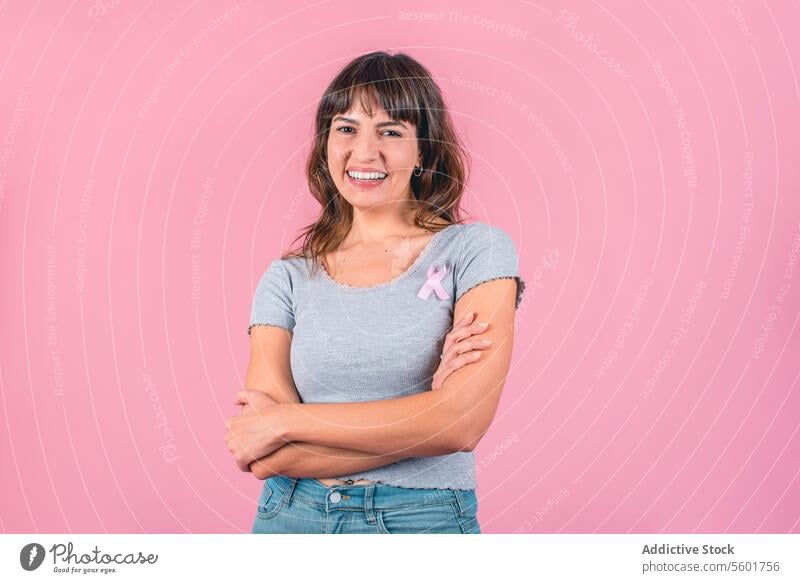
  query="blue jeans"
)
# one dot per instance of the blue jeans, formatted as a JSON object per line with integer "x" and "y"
{"x": 307, "y": 506}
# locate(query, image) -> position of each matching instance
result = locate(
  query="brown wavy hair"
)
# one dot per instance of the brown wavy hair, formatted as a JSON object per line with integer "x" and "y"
{"x": 407, "y": 92}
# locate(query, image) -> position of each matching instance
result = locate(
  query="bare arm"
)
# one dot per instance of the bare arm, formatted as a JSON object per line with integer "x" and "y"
{"x": 310, "y": 460}
{"x": 269, "y": 371}
{"x": 453, "y": 418}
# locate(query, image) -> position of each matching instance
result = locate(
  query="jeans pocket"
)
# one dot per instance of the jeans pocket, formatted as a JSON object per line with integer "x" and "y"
{"x": 437, "y": 519}
{"x": 270, "y": 501}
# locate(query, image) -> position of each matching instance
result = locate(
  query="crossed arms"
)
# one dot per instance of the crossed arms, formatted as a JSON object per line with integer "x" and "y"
{"x": 331, "y": 439}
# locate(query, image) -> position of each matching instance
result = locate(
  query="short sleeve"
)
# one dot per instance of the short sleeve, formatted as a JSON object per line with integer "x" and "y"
{"x": 487, "y": 253}
{"x": 272, "y": 301}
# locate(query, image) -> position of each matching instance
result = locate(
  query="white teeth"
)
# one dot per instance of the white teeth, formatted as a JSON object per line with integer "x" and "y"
{"x": 367, "y": 175}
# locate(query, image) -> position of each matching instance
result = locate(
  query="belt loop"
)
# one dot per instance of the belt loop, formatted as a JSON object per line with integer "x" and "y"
{"x": 462, "y": 503}
{"x": 290, "y": 489}
{"x": 369, "y": 511}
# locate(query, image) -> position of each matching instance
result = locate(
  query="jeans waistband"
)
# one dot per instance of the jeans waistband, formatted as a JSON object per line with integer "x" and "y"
{"x": 369, "y": 497}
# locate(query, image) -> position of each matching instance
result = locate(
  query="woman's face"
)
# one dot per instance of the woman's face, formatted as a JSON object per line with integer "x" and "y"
{"x": 371, "y": 158}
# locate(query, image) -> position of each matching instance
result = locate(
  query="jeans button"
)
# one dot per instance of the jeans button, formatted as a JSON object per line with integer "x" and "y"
{"x": 335, "y": 497}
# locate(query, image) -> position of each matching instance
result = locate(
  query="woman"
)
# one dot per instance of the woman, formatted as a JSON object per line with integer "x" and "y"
{"x": 364, "y": 400}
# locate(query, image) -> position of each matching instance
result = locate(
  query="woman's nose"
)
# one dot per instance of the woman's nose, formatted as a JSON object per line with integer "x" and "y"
{"x": 366, "y": 147}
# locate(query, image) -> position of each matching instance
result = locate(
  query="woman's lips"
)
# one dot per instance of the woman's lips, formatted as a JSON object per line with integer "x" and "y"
{"x": 365, "y": 184}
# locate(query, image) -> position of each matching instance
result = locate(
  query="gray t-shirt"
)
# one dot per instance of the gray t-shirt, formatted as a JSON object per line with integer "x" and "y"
{"x": 384, "y": 341}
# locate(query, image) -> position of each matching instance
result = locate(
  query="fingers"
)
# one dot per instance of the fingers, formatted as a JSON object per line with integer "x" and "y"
{"x": 464, "y": 328}
{"x": 451, "y": 364}
{"x": 460, "y": 348}
{"x": 463, "y": 359}
{"x": 471, "y": 344}
{"x": 458, "y": 326}
{"x": 466, "y": 346}
{"x": 253, "y": 397}
{"x": 461, "y": 354}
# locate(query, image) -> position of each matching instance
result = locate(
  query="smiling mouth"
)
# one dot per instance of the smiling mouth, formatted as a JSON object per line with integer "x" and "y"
{"x": 367, "y": 177}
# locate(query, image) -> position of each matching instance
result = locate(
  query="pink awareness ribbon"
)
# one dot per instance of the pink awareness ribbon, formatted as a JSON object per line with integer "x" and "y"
{"x": 434, "y": 283}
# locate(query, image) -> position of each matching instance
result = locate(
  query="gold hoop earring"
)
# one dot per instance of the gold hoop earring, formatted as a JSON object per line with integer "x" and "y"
{"x": 420, "y": 171}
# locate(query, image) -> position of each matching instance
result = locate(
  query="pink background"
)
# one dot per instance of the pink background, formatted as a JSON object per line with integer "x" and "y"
{"x": 643, "y": 157}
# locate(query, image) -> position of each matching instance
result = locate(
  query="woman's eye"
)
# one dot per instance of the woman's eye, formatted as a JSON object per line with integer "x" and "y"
{"x": 350, "y": 130}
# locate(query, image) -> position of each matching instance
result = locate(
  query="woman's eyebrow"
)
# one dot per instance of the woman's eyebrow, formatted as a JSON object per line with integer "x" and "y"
{"x": 380, "y": 125}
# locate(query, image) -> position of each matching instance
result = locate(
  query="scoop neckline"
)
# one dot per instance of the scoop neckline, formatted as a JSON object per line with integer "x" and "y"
{"x": 412, "y": 268}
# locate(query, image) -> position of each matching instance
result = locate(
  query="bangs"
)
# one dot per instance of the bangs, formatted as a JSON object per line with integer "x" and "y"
{"x": 377, "y": 82}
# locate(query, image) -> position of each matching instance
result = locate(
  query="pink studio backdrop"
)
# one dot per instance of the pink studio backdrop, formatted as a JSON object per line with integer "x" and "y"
{"x": 643, "y": 157}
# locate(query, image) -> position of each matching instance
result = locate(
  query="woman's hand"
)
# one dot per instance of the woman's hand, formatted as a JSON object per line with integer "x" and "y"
{"x": 460, "y": 349}
{"x": 258, "y": 398}
{"x": 255, "y": 432}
